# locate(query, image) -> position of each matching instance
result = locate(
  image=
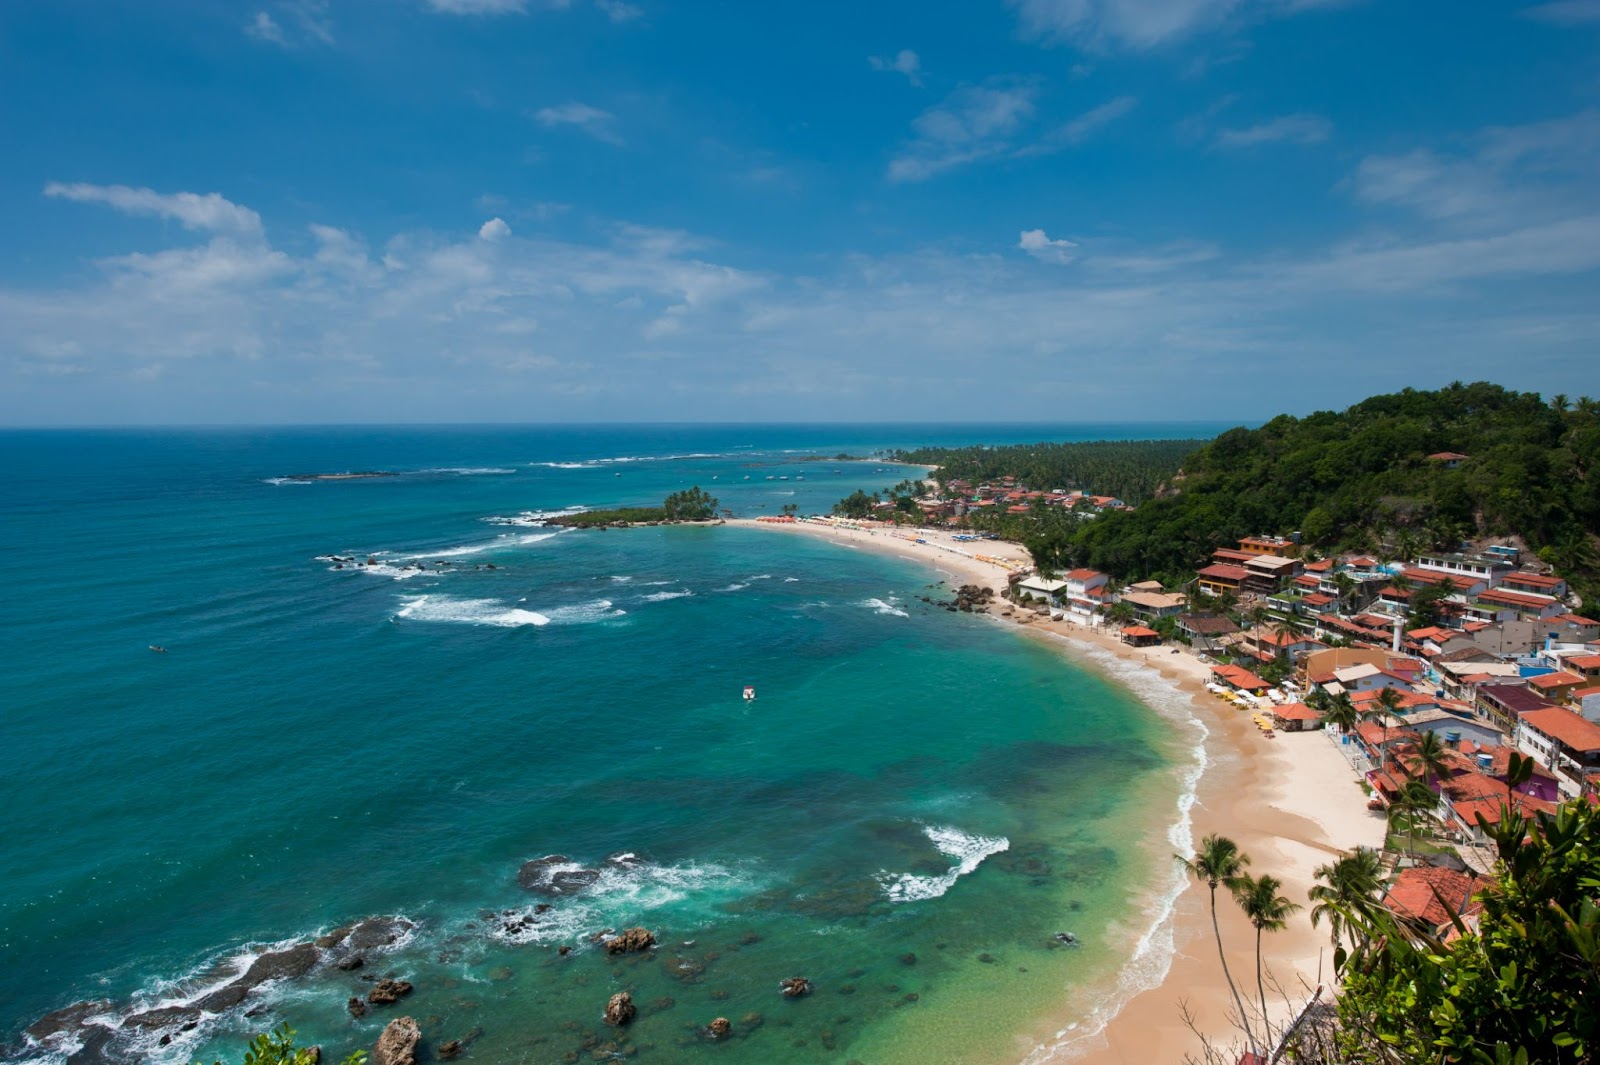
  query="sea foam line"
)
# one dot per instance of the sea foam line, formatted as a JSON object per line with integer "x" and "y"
{"x": 968, "y": 851}
{"x": 1152, "y": 955}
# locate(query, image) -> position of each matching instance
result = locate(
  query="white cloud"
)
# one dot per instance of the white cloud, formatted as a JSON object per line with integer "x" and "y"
{"x": 494, "y": 229}
{"x": 264, "y": 28}
{"x": 1080, "y": 129}
{"x": 478, "y": 7}
{"x": 1138, "y": 24}
{"x": 972, "y": 123}
{"x": 1041, "y": 247}
{"x": 1566, "y": 12}
{"x": 904, "y": 62}
{"x": 300, "y": 22}
{"x": 207, "y": 211}
{"x": 591, "y": 120}
{"x": 1511, "y": 175}
{"x": 1288, "y": 129}
{"x": 619, "y": 10}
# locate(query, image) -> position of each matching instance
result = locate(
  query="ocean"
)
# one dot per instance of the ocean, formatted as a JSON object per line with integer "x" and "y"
{"x": 911, "y": 808}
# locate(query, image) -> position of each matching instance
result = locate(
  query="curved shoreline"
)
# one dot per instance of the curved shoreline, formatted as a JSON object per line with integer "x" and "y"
{"x": 1281, "y": 800}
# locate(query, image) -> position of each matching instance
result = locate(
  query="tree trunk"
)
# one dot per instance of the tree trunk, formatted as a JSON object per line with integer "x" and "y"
{"x": 1266, "y": 1029}
{"x": 1244, "y": 1017}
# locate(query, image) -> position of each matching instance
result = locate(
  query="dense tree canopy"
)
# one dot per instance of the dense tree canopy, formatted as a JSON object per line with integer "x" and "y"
{"x": 1131, "y": 470}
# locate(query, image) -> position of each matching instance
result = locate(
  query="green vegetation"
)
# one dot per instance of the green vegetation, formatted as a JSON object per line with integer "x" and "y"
{"x": 1361, "y": 479}
{"x": 1521, "y": 987}
{"x": 277, "y": 1048}
{"x": 1131, "y": 470}
{"x": 692, "y": 504}
{"x": 857, "y": 504}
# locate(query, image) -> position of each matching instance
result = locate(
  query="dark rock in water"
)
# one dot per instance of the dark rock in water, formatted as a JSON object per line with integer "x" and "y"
{"x": 686, "y": 969}
{"x": 795, "y": 986}
{"x": 629, "y": 940}
{"x": 620, "y": 1009}
{"x": 987, "y": 959}
{"x": 563, "y": 950}
{"x": 398, "y": 1043}
{"x": 354, "y": 961}
{"x": 908, "y": 958}
{"x": 94, "y": 1040}
{"x": 387, "y": 991}
{"x": 663, "y": 1003}
{"x": 377, "y": 932}
{"x": 749, "y": 939}
{"x": 555, "y": 874}
{"x": 752, "y": 1020}
{"x": 280, "y": 965}
{"x": 719, "y": 1028}
{"x": 449, "y": 1051}
{"x": 67, "y": 1019}
{"x": 165, "y": 1017}
{"x": 543, "y": 907}
{"x": 1066, "y": 937}
{"x": 356, "y": 1006}
{"x": 223, "y": 999}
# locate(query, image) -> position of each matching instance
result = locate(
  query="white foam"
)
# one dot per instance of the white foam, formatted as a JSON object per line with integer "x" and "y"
{"x": 584, "y": 613}
{"x": 882, "y": 607}
{"x": 533, "y": 517}
{"x": 734, "y": 588}
{"x": 760, "y": 577}
{"x": 967, "y": 850}
{"x": 626, "y": 889}
{"x": 281, "y": 481}
{"x": 621, "y": 580}
{"x": 468, "y": 611}
{"x": 661, "y": 597}
{"x": 791, "y": 580}
{"x": 385, "y": 569}
{"x": 475, "y": 549}
{"x": 472, "y": 471}
{"x": 1151, "y": 959}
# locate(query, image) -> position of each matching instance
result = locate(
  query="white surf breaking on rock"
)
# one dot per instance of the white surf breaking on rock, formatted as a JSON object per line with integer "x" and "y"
{"x": 537, "y": 518}
{"x": 468, "y": 611}
{"x": 881, "y": 606}
{"x": 968, "y": 851}
{"x": 628, "y": 888}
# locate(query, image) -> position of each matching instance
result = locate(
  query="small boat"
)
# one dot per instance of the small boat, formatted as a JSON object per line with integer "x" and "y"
{"x": 158, "y": 649}
{"x": 749, "y": 693}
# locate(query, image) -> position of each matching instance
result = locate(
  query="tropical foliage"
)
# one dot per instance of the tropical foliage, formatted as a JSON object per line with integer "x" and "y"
{"x": 1131, "y": 470}
{"x": 277, "y": 1048}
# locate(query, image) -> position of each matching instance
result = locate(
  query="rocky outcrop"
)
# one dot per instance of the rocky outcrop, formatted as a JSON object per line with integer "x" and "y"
{"x": 398, "y": 1043}
{"x": 630, "y": 940}
{"x": 385, "y": 992}
{"x": 719, "y": 1028}
{"x": 67, "y": 1019}
{"x": 450, "y": 1051}
{"x": 555, "y": 874}
{"x": 280, "y": 965}
{"x": 795, "y": 986}
{"x": 356, "y": 1006}
{"x": 620, "y": 1009}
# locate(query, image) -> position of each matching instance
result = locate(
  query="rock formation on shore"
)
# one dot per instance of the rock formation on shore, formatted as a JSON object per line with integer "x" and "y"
{"x": 398, "y": 1043}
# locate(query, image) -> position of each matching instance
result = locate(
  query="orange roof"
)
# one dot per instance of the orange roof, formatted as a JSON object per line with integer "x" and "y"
{"x": 1139, "y": 631}
{"x": 1533, "y": 580}
{"x": 1403, "y": 699}
{"x": 1547, "y": 681}
{"x": 1492, "y": 808}
{"x": 1222, "y": 571}
{"x": 1239, "y": 677}
{"x": 1321, "y": 565}
{"x": 1584, "y": 662}
{"x": 1448, "y": 456}
{"x": 1584, "y": 693}
{"x": 1565, "y": 727}
{"x": 1574, "y": 619}
{"x": 1296, "y": 712}
{"x": 1083, "y": 574}
{"x": 1416, "y": 893}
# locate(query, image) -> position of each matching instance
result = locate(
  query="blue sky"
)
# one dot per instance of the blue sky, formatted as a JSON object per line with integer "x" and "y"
{"x": 514, "y": 210}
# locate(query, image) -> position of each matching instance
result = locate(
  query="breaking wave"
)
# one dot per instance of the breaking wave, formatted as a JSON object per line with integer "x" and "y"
{"x": 881, "y": 607}
{"x": 661, "y": 597}
{"x": 468, "y": 611}
{"x": 968, "y": 852}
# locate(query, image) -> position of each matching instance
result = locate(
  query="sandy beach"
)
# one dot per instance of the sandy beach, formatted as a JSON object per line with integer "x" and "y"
{"x": 1291, "y": 802}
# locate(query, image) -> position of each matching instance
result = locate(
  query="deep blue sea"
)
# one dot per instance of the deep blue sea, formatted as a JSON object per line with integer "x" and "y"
{"x": 915, "y": 801}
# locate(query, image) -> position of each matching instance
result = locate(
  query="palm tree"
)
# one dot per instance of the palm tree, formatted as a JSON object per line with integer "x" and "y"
{"x": 1268, "y": 911}
{"x": 1347, "y": 890}
{"x": 1258, "y": 615}
{"x": 1388, "y": 703}
{"x": 1220, "y": 861}
{"x": 1432, "y": 756}
{"x": 1338, "y": 710}
{"x": 1414, "y": 800}
{"x": 1344, "y": 584}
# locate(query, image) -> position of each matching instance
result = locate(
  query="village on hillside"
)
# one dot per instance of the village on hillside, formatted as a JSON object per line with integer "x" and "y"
{"x": 1427, "y": 670}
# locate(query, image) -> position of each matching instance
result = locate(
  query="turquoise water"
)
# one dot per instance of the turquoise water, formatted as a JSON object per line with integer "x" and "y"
{"x": 320, "y": 744}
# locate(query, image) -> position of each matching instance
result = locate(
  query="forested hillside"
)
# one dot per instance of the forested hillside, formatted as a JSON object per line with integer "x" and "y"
{"x": 1361, "y": 478}
{"x": 1131, "y": 470}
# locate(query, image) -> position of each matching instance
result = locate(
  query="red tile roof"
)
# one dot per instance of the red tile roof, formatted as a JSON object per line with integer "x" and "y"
{"x": 1501, "y": 597}
{"x": 1584, "y": 662}
{"x": 1224, "y": 572}
{"x": 1239, "y": 677}
{"x": 1546, "y": 681}
{"x": 1296, "y": 712}
{"x": 1416, "y": 893}
{"x": 1565, "y": 727}
{"x": 1533, "y": 580}
{"x": 1139, "y": 631}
